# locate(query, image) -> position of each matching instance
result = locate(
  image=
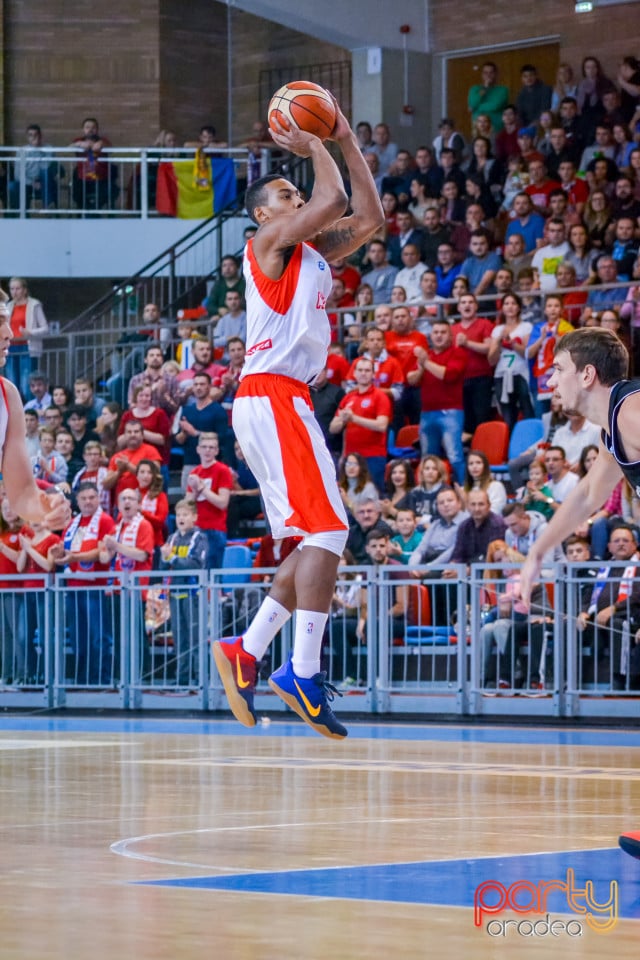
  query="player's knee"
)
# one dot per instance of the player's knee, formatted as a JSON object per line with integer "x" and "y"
{"x": 332, "y": 540}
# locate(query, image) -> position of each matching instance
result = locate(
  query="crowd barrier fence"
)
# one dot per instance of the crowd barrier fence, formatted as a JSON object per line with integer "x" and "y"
{"x": 403, "y": 641}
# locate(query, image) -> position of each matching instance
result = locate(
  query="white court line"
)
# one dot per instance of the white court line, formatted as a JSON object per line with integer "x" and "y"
{"x": 122, "y": 847}
{"x": 48, "y": 744}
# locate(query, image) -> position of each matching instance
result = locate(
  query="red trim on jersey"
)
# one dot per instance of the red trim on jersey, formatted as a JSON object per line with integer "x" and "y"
{"x": 277, "y": 294}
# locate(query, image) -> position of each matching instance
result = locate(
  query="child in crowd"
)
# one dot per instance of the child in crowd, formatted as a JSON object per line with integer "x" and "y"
{"x": 48, "y": 464}
{"x": 535, "y": 494}
{"x": 186, "y": 549}
{"x": 408, "y": 537}
{"x": 93, "y": 471}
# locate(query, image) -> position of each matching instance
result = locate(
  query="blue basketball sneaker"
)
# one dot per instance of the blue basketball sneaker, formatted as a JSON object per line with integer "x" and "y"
{"x": 308, "y": 697}
{"x": 239, "y": 672}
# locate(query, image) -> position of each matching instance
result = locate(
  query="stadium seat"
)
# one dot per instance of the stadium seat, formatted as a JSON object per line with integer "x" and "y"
{"x": 525, "y": 434}
{"x": 492, "y": 438}
{"x": 403, "y": 445}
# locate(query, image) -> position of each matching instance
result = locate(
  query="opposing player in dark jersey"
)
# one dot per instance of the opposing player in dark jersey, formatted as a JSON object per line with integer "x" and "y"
{"x": 589, "y": 377}
{"x": 25, "y": 497}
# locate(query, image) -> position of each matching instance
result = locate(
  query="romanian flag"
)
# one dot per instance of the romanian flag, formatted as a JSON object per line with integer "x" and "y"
{"x": 195, "y": 189}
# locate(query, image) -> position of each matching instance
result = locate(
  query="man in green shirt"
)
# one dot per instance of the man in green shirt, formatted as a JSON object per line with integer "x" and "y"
{"x": 488, "y": 97}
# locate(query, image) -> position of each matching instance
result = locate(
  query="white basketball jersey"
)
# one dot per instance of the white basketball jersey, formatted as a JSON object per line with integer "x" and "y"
{"x": 287, "y": 325}
{"x": 4, "y": 417}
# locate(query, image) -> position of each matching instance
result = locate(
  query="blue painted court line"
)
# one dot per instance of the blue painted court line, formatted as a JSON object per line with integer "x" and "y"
{"x": 545, "y": 736}
{"x": 446, "y": 883}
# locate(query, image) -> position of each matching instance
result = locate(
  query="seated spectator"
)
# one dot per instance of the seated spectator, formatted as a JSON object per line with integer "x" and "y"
{"x": 202, "y": 362}
{"x": 602, "y": 146}
{"x": 434, "y": 233}
{"x": 526, "y": 222}
{"x": 524, "y": 527}
{"x": 624, "y": 247}
{"x": 408, "y": 537}
{"x": 354, "y": 482}
{"x": 48, "y": 464}
{"x": 536, "y": 496}
{"x": 93, "y": 472}
{"x": 230, "y": 278}
{"x": 122, "y": 467}
{"x": 412, "y": 269}
{"x": 77, "y": 424}
{"x": 65, "y": 447}
{"x": 108, "y": 427}
{"x": 540, "y": 186}
{"x": 475, "y": 534}
{"x": 581, "y": 254}
{"x": 481, "y": 264}
{"x": 210, "y": 485}
{"x": 83, "y": 396}
{"x": 432, "y": 474}
{"x": 575, "y": 190}
{"x": 429, "y": 301}
{"x": 94, "y": 179}
{"x": 506, "y": 141}
{"x": 40, "y": 174}
{"x": 186, "y": 333}
{"x": 383, "y": 147}
{"x": 597, "y": 218}
{"x": 39, "y": 390}
{"x": 346, "y": 272}
{"x": 438, "y": 541}
{"x": 381, "y": 275}
{"x": 547, "y": 257}
{"x": 232, "y": 324}
{"x": 388, "y": 375}
{"x": 599, "y": 298}
{"x": 53, "y": 418}
{"x": 163, "y": 386}
{"x": 32, "y": 426}
{"x": 561, "y": 479}
{"x": 446, "y": 270}
{"x": 398, "y": 179}
{"x": 62, "y": 398}
{"x": 515, "y": 256}
{"x": 574, "y": 436}
{"x": 448, "y": 137}
{"x": 389, "y": 203}
{"x": 478, "y": 477}
{"x": 399, "y": 484}
{"x": 367, "y": 516}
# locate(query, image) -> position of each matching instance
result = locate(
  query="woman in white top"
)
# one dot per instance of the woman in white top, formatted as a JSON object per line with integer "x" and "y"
{"x": 477, "y": 476}
{"x": 508, "y": 350}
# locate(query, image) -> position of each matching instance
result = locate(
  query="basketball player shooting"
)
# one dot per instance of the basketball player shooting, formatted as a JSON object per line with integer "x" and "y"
{"x": 288, "y": 281}
{"x": 29, "y": 502}
{"x": 588, "y": 377}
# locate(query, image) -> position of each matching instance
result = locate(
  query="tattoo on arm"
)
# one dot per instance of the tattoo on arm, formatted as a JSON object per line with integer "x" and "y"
{"x": 336, "y": 238}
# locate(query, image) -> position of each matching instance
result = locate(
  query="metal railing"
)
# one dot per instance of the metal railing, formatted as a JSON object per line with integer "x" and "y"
{"x": 402, "y": 641}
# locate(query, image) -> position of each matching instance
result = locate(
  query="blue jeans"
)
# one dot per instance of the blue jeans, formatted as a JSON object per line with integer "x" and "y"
{"x": 376, "y": 469}
{"x": 18, "y": 368}
{"x": 441, "y": 430}
{"x": 217, "y": 542}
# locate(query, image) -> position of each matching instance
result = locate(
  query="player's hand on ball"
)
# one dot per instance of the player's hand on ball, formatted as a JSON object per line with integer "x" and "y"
{"x": 342, "y": 130}
{"x": 294, "y": 139}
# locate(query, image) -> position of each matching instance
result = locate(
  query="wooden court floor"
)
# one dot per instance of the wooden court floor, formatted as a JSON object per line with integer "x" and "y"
{"x": 190, "y": 839}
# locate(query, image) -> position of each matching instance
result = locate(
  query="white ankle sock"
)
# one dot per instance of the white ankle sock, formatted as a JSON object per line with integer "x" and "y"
{"x": 267, "y": 622}
{"x": 307, "y": 642}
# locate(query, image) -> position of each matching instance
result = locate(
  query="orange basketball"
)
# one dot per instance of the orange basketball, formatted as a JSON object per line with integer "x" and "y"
{"x": 304, "y": 104}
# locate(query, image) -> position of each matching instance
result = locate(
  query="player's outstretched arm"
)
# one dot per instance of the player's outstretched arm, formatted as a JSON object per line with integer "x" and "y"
{"x": 24, "y": 496}
{"x": 367, "y": 215}
{"x": 586, "y": 497}
{"x": 327, "y": 203}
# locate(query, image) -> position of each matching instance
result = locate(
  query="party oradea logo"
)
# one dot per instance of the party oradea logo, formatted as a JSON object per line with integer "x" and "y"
{"x": 537, "y": 902}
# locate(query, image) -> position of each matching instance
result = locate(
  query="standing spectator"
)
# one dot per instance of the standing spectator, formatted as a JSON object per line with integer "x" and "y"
{"x": 381, "y": 277}
{"x": 590, "y": 92}
{"x": 244, "y": 498}
{"x": 534, "y": 95}
{"x": 446, "y": 270}
{"x": 481, "y": 264}
{"x": 64, "y": 446}
{"x": 440, "y": 374}
{"x": 325, "y": 398}
{"x": 401, "y": 342}
{"x": 84, "y": 396}
{"x": 202, "y": 415}
{"x": 154, "y": 505}
{"x": 341, "y": 269}
{"x": 11, "y": 525}
{"x": 472, "y": 334}
{"x": 407, "y": 234}
{"x": 541, "y": 346}
{"x": 526, "y": 222}
{"x": 186, "y": 549}
{"x": 28, "y": 326}
{"x": 32, "y": 426}
{"x": 84, "y": 598}
{"x": 547, "y": 258}
{"x": 230, "y": 377}
{"x": 107, "y": 427}
{"x": 202, "y": 362}
{"x": 565, "y": 85}
{"x": 383, "y": 147}
{"x": 509, "y": 340}
{"x": 581, "y": 255}
{"x": 37, "y": 555}
{"x": 94, "y": 180}
{"x": 210, "y": 485}
{"x": 230, "y": 279}
{"x": 364, "y": 416}
{"x": 489, "y": 96}
{"x": 449, "y": 138}
{"x": 163, "y": 385}
{"x": 48, "y": 464}
{"x": 77, "y": 424}
{"x": 93, "y": 472}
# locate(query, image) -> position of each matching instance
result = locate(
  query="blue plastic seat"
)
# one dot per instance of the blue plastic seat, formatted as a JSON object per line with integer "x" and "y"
{"x": 525, "y": 434}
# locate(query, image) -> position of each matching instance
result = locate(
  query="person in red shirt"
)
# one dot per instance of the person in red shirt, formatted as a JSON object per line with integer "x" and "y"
{"x": 473, "y": 334}
{"x": 154, "y": 505}
{"x": 337, "y": 365}
{"x": 540, "y": 186}
{"x": 401, "y": 341}
{"x": 348, "y": 274}
{"x": 210, "y": 485}
{"x": 577, "y": 191}
{"x": 37, "y": 545}
{"x": 122, "y": 467}
{"x": 441, "y": 374}
{"x": 11, "y": 525}
{"x": 387, "y": 372}
{"x": 156, "y": 426}
{"x": 364, "y": 415}
{"x": 84, "y": 597}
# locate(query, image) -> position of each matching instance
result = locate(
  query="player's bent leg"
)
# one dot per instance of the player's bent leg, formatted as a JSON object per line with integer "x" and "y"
{"x": 239, "y": 672}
